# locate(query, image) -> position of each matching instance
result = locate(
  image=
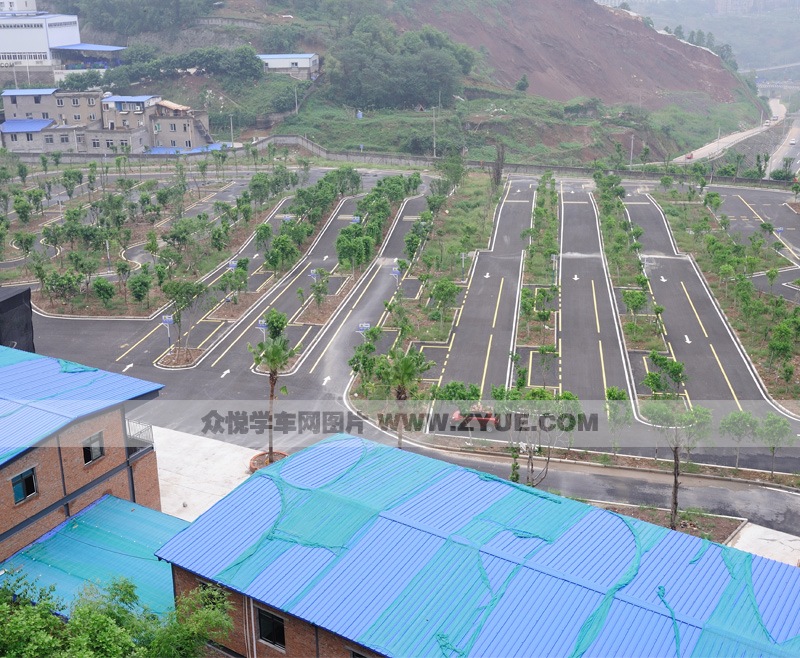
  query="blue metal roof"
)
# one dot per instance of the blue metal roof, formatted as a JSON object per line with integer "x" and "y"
{"x": 176, "y": 150}
{"x": 39, "y": 395}
{"x": 25, "y": 125}
{"x": 29, "y": 92}
{"x": 111, "y": 538}
{"x": 128, "y": 99}
{"x": 93, "y": 47}
{"x": 411, "y": 556}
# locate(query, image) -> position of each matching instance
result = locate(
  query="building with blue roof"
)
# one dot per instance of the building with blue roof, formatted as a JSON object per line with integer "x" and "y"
{"x": 303, "y": 66}
{"x": 354, "y": 548}
{"x": 111, "y": 538}
{"x": 65, "y": 441}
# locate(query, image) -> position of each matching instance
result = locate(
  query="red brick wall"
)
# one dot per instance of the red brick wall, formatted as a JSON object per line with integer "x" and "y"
{"x": 301, "y": 640}
{"x": 78, "y": 474}
{"x": 21, "y": 539}
{"x": 145, "y": 481}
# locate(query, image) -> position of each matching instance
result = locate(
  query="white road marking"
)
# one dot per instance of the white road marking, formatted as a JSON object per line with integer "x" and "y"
{"x": 227, "y": 372}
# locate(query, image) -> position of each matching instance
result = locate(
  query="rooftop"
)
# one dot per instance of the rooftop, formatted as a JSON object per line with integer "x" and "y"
{"x": 25, "y": 126}
{"x": 39, "y": 395}
{"x": 287, "y": 55}
{"x": 408, "y": 555}
{"x": 30, "y": 92}
{"x": 129, "y": 99}
{"x": 111, "y": 538}
{"x": 93, "y": 47}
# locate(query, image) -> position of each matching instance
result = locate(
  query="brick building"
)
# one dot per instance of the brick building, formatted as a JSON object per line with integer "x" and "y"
{"x": 47, "y": 120}
{"x": 65, "y": 442}
{"x": 350, "y": 548}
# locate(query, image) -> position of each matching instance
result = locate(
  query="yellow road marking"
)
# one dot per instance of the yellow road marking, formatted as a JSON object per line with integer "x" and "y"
{"x": 596, "y": 314}
{"x": 530, "y": 366}
{"x": 486, "y": 365}
{"x": 646, "y": 368}
{"x": 150, "y": 333}
{"x": 603, "y": 366}
{"x": 725, "y": 375}
{"x": 377, "y": 270}
{"x": 688, "y": 399}
{"x": 333, "y": 338}
{"x": 303, "y": 337}
{"x": 258, "y": 317}
{"x": 696, "y": 314}
{"x": 497, "y": 306}
{"x": 219, "y": 326}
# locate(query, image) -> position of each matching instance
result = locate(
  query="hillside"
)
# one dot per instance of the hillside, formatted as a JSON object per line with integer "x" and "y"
{"x": 572, "y": 48}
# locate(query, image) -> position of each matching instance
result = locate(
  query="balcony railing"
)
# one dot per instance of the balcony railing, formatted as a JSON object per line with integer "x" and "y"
{"x": 140, "y": 436}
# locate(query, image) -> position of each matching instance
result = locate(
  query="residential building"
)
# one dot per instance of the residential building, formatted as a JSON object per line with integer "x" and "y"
{"x": 40, "y": 41}
{"x": 109, "y": 539}
{"x": 46, "y": 120}
{"x": 65, "y": 442}
{"x": 350, "y": 548}
{"x": 303, "y": 66}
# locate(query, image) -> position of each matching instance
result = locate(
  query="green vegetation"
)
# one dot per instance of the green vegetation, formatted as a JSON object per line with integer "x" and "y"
{"x": 107, "y": 622}
{"x": 129, "y": 18}
{"x": 620, "y": 238}
{"x": 543, "y": 234}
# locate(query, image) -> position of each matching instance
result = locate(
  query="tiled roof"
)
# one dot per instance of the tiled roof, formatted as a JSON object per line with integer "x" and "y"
{"x": 412, "y": 556}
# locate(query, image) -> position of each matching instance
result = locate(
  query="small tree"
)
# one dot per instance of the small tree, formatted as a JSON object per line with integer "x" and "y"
{"x": 25, "y": 242}
{"x": 123, "y": 269}
{"x": 739, "y": 425}
{"x": 522, "y": 83}
{"x": 635, "y": 300}
{"x": 104, "y": 290}
{"x": 775, "y": 432}
{"x": 319, "y": 289}
{"x": 140, "y": 285}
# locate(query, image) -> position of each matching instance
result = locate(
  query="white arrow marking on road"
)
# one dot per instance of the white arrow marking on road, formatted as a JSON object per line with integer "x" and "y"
{"x": 663, "y": 280}
{"x": 227, "y": 372}
{"x": 128, "y": 367}
{"x": 326, "y": 380}
{"x": 575, "y": 278}
{"x": 324, "y": 258}
{"x": 486, "y": 276}
{"x": 256, "y": 256}
{"x": 688, "y": 342}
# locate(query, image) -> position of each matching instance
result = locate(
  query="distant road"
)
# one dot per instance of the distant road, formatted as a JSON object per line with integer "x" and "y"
{"x": 776, "y": 68}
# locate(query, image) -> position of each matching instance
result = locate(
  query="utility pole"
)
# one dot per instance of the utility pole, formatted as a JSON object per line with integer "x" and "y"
{"x": 296, "y": 106}
{"x": 231, "y": 130}
{"x": 434, "y": 132}
{"x": 631, "y": 162}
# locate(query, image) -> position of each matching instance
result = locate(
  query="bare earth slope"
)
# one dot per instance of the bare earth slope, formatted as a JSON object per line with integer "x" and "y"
{"x": 571, "y": 48}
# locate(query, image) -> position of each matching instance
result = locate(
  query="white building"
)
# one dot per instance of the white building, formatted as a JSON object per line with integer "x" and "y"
{"x": 304, "y": 66}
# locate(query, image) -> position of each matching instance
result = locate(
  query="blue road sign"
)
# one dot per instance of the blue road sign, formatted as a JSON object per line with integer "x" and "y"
{"x": 167, "y": 319}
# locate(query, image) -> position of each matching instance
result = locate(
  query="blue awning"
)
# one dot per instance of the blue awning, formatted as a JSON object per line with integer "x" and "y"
{"x": 93, "y": 47}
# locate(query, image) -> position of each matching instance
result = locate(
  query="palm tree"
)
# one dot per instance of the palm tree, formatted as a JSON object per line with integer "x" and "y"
{"x": 274, "y": 355}
{"x": 402, "y": 373}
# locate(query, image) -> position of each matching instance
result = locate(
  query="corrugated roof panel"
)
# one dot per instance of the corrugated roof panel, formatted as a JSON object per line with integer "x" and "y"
{"x": 452, "y": 502}
{"x": 24, "y": 125}
{"x": 39, "y": 395}
{"x": 410, "y": 556}
{"x": 218, "y": 538}
{"x": 129, "y": 99}
{"x": 30, "y": 92}
{"x": 372, "y": 572}
{"x": 773, "y": 600}
{"x": 109, "y": 539}
{"x": 612, "y": 558}
{"x": 317, "y": 468}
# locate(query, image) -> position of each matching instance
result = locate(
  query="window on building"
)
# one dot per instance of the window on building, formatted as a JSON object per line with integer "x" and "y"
{"x": 79, "y": 139}
{"x": 92, "y": 117}
{"x": 76, "y": 101}
{"x": 295, "y": 65}
{"x": 29, "y": 137}
{"x": 157, "y": 128}
{"x": 109, "y": 143}
{"x": 172, "y": 142}
{"x": 93, "y": 448}
{"x": 123, "y": 143}
{"x": 13, "y": 137}
{"x": 270, "y": 629}
{"x": 37, "y": 100}
{"x": 48, "y": 139}
{"x": 186, "y": 127}
{"x": 91, "y": 101}
{"x": 95, "y": 143}
{"x": 355, "y": 654}
{"x": 24, "y": 486}
{"x": 60, "y": 102}
{"x": 29, "y": 115}
{"x": 188, "y": 143}
{"x": 45, "y": 115}
{"x": 13, "y": 100}
{"x": 125, "y": 123}
{"x": 173, "y": 127}
{"x": 76, "y": 117}
{"x": 64, "y": 139}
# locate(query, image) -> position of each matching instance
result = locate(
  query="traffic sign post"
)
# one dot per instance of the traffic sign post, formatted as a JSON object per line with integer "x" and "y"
{"x": 287, "y": 218}
{"x": 356, "y": 219}
{"x": 168, "y": 320}
{"x": 231, "y": 264}
{"x": 363, "y": 327}
{"x": 262, "y": 324}
{"x": 779, "y": 230}
{"x": 396, "y": 274}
